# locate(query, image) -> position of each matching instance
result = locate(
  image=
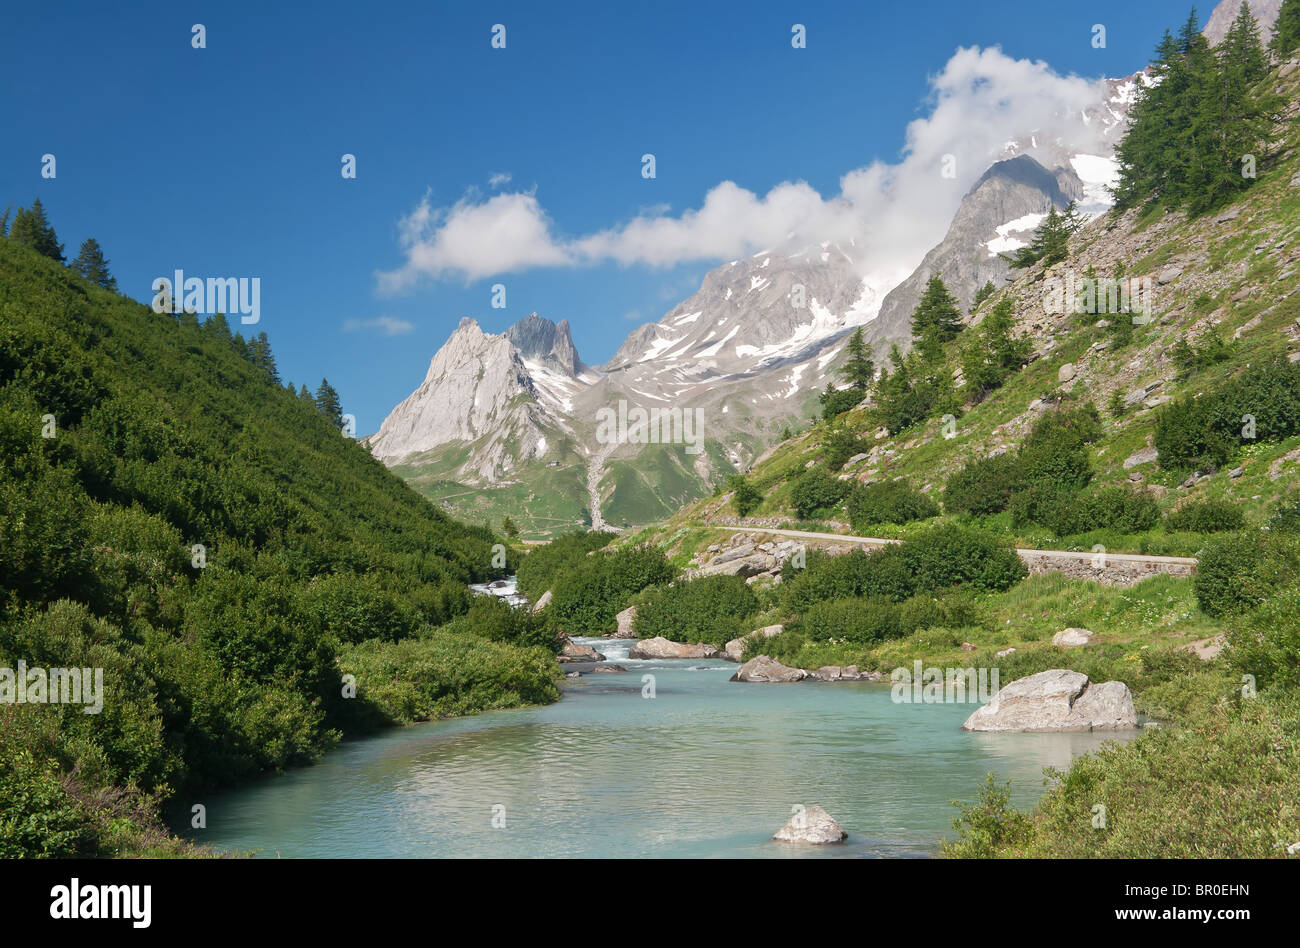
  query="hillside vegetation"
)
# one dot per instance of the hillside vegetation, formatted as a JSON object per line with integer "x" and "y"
{"x": 174, "y": 515}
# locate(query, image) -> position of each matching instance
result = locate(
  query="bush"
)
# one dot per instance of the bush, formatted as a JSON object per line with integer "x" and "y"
{"x": 984, "y": 486}
{"x": 744, "y": 495}
{"x": 587, "y": 596}
{"x": 814, "y": 490}
{"x": 1238, "y": 571}
{"x": 888, "y": 502}
{"x": 714, "y": 609}
{"x": 1202, "y": 433}
{"x": 954, "y": 556}
{"x": 1121, "y": 509}
{"x": 1267, "y": 645}
{"x": 543, "y": 563}
{"x": 839, "y": 445}
{"x": 870, "y": 620}
{"x": 496, "y": 620}
{"x": 1206, "y": 516}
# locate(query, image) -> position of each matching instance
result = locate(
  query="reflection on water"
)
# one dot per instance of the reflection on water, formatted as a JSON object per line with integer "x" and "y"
{"x": 706, "y": 768}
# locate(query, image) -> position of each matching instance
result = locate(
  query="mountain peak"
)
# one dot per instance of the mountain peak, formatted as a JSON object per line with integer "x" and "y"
{"x": 540, "y": 340}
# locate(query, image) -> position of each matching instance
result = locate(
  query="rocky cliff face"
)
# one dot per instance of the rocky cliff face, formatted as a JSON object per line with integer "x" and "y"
{"x": 1220, "y": 21}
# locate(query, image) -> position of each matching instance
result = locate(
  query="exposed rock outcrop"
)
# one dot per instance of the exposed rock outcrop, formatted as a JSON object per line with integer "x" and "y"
{"x": 1072, "y": 638}
{"x": 625, "y": 620}
{"x": 735, "y": 649}
{"x": 1057, "y": 700}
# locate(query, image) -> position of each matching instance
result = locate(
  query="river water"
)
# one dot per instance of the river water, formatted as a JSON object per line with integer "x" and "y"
{"x": 705, "y": 768}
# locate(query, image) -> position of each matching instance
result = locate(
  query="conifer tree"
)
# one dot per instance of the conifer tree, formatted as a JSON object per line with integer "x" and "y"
{"x": 859, "y": 370}
{"x": 31, "y": 228}
{"x": 4, "y": 221}
{"x": 1241, "y": 49}
{"x": 995, "y": 352}
{"x": 259, "y": 349}
{"x": 305, "y": 396}
{"x": 1050, "y": 243}
{"x": 90, "y": 263}
{"x": 983, "y": 293}
{"x": 936, "y": 320}
{"x": 327, "y": 403}
{"x": 1286, "y": 36}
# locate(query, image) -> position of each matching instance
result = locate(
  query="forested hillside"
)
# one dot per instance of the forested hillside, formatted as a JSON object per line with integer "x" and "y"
{"x": 174, "y": 514}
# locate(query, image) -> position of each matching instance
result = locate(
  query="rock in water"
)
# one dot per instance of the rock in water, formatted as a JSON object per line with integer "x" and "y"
{"x": 660, "y": 647}
{"x": 1057, "y": 700}
{"x": 811, "y": 825}
{"x": 765, "y": 669}
{"x": 572, "y": 652}
{"x": 625, "y": 620}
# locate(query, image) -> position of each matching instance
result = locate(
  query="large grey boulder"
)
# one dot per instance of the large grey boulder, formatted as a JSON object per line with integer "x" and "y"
{"x": 1056, "y": 700}
{"x": 811, "y": 825}
{"x": 543, "y": 601}
{"x": 735, "y": 649}
{"x": 660, "y": 647}
{"x": 767, "y": 670}
{"x": 625, "y": 620}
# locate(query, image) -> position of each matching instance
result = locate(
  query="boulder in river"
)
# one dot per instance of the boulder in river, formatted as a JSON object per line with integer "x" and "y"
{"x": 811, "y": 825}
{"x": 838, "y": 673}
{"x": 734, "y": 649}
{"x": 765, "y": 669}
{"x": 1057, "y": 700}
{"x": 625, "y": 620}
{"x": 608, "y": 669}
{"x": 660, "y": 647}
{"x": 573, "y": 652}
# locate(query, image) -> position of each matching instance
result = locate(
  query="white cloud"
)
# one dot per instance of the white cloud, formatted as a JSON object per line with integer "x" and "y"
{"x": 386, "y": 324}
{"x": 499, "y": 179}
{"x": 891, "y": 214}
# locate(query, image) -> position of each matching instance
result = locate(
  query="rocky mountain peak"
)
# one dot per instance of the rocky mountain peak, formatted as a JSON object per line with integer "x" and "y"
{"x": 1220, "y": 21}
{"x": 542, "y": 341}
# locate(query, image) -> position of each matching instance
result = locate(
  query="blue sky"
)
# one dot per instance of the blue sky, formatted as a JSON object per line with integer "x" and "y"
{"x": 225, "y": 161}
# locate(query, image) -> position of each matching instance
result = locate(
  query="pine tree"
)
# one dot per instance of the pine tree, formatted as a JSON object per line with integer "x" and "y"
{"x": 327, "y": 403}
{"x": 983, "y": 293}
{"x": 1241, "y": 48}
{"x": 4, "y": 221}
{"x": 305, "y": 396}
{"x": 1072, "y": 219}
{"x": 859, "y": 370}
{"x": 936, "y": 320}
{"x": 90, "y": 263}
{"x": 508, "y": 527}
{"x": 259, "y": 349}
{"x": 216, "y": 325}
{"x": 1050, "y": 243}
{"x": 995, "y": 352}
{"x": 31, "y": 228}
{"x": 1286, "y": 36}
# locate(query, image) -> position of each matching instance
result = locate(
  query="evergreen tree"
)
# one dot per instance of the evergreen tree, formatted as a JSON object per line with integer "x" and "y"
{"x": 508, "y": 527}
{"x": 90, "y": 263}
{"x": 995, "y": 352}
{"x": 327, "y": 403}
{"x": 4, "y": 221}
{"x": 216, "y": 325}
{"x": 859, "y": 370}
{"x": 259, "y": 349}
{"x": 31, "y": 228}
{"x": 1050, "y": 243}
{"x": 1241, "y": 49}
{"x": 983, "y": 293}
{"x": 936, "y": 320}
{"x": 305, "y": 396}
{"x": 1072, "y": 219}
{"x": 1286, "y": 36}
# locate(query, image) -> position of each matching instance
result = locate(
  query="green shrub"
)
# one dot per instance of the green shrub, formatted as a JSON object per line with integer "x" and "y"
{"x": 587, "y": 596}
{"x": 744, "y": 495}
{"x": 839, "y": 445}
{"x": 949, "y": 555}
{"x": 1267, "y": 644}
{"x": 494, "y": 619}
{"x": 870, "y": 620}
{"x": 815, "y": 490}
{"x": 543, "y": 563}
{"x": 888, "y": 502}
{"x": 1121, "y": 509}
{"x": 714, "y": 609}
{"x": 984, "y": 486}
{"x": 1202, "y": 433}
{"x": 1206, "y": 516}
{"x": 1238, "y": 571}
